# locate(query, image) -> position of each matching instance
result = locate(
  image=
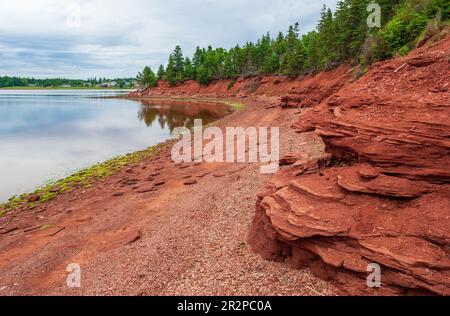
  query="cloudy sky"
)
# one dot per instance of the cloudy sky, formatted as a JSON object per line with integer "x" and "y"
{"x": 117, "y": 38}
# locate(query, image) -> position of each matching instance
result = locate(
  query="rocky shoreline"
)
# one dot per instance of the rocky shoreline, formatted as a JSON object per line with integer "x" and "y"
{"x": 363, "y": 180}
{"x": 156, "y": 227}
{"x": 381, "y": 192}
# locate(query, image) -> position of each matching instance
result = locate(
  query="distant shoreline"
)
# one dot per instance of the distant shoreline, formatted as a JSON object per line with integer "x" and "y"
{"x": 65, "y": 88}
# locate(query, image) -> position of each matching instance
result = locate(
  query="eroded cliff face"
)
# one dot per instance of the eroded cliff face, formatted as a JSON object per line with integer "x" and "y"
{"x": 305, "y": 91}
{"x": 381, "y": 192}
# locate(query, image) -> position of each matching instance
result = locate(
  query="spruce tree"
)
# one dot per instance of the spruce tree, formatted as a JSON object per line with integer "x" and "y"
{"x": 147, "y": 78}
{"x": 171, "y": 74}
{"x": 161, "y": 72}
{"x": 189, "y": 71}
{"x": 342, "y": 36}
{"x": 178, "y": 63}
{"x": 291, "y": 64}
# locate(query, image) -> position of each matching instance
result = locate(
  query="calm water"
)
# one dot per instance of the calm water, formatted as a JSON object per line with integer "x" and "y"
{"x": 46, "y": 135}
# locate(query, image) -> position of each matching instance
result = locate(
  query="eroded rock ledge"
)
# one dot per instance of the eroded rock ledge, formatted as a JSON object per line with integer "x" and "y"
{"x": 381, "y": 193}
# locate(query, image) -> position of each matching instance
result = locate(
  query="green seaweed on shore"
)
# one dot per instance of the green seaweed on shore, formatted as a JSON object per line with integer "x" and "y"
{"x": 83, "y": 178}
{"x": 45, "y": 226}
{"x": 237, "y": 106}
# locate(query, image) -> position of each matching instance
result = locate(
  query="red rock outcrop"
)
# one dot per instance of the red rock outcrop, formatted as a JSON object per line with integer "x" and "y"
{"x": 301, "y": 92}
{"x": 314, "y": 89}
{"x": 381, "y": 194}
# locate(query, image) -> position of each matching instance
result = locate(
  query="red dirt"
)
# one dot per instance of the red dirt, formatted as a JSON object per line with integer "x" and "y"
{"x": 156, "y": 228}
{"x": 306, "y": 91}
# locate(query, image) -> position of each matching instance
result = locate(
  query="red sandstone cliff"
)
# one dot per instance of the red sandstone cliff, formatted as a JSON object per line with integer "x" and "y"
{"x": 304, "y": 91}
{"x": 381, "y": 193}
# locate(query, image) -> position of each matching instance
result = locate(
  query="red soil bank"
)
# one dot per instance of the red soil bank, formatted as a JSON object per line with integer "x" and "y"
{"x": 381, "y": 193}
{"x": 306, "y": 91}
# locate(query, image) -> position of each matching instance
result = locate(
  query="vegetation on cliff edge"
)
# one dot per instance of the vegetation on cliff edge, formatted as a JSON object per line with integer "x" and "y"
{"x": 340, "y": 37}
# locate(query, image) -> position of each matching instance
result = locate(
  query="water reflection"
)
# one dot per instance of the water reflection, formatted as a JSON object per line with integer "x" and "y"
{"x": 48, "y": 135}
{"x": 171, "y": 114}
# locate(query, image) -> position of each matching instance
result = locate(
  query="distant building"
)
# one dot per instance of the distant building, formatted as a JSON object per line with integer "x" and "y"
{"x": 107, "y": 84}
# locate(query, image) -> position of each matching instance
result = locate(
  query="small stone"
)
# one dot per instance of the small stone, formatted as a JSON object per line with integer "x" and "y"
{"x": 146, "y": 190}
{"x": 203, "y": 174}
{"x": 54, "y": 190}
{"x": 368, "y": 173}
{"x": 8, "y": 230}
{"x": 85, "y": 219}
{"x": 55, "y": 231}
{"x": 32, "y": 229}
{"x": 288, "y": 160}
{"x": 133, "y": 237}
{"x": 34, "y": 198}
{"x": 190, "y": 182}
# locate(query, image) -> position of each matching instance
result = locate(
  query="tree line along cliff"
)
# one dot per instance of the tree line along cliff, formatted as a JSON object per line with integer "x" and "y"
{"x": 340, "y": 37}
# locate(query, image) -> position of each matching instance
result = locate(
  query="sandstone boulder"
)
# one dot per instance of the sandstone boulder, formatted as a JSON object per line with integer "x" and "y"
{"x": 381, "y": 194}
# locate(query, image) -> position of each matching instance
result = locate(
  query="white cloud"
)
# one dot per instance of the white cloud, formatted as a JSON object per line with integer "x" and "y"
{"x": 117, "y": 38}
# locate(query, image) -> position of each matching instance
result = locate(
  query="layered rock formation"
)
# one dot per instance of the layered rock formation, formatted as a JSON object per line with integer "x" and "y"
{"x": 314, "y": 89}
{"x": 304, "y": 91}
{"x": 381, "y": 194}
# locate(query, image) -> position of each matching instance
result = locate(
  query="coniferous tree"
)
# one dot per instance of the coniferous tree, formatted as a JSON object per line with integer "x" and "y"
{"x": 188, "y": 71}
{"x": 146, "y": 78}
{"x": 279, "y": 51}
{"x": 291, "y": 64}
{"x": 342, "y": 36}
{"x": 198, "y": 58}
{"x": 178, "y": 63}
{"x": 171, "y": 73}
{"x": 161, "y": 72}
